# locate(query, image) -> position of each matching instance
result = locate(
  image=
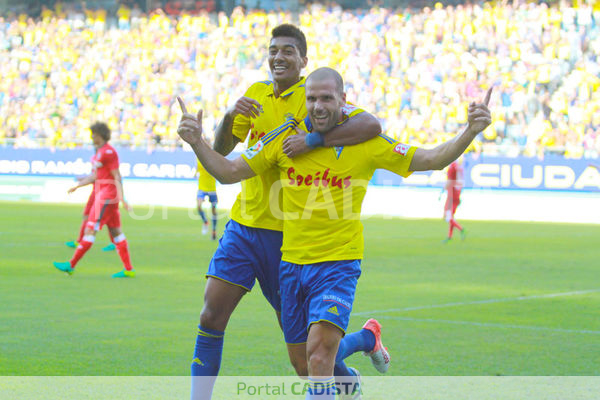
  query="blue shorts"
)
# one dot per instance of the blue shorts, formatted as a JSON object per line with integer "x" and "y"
{"x": 316, "y": 292}
{"x": 247, "y": 254}
{"x": 212, "y": 196}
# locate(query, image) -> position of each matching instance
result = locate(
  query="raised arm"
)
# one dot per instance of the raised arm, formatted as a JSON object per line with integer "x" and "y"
{"x": 357, "y": 129}
{"x": 225, "y": 140}
{"x": 439, "y": 157}
{"x": 224, "y": 170}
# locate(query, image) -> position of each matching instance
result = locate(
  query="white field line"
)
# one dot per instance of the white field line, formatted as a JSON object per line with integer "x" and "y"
{"x": 467, "y": 303}
{"x": 492, "y": 325}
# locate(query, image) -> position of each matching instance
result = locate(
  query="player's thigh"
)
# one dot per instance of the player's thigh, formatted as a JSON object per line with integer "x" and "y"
{"x": 220, "y": 300}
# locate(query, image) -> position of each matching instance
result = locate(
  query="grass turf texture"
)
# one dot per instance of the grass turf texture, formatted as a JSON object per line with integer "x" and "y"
{"x": 90, "y": 324}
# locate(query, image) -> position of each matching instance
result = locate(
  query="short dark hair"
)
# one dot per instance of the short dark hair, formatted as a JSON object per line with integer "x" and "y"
{"x": 289, "y": 30}
{"x": 101, "y": 129}
{"x": 328, "y": 73}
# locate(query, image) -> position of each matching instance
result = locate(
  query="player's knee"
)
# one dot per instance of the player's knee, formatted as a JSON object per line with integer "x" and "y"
{"x": 213, "y": 319}
{"x": 318, "y": 360}
{"x": 114, "y": 232}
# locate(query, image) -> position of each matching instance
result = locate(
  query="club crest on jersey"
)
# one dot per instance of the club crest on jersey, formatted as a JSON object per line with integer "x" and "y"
{"x": 254, "y": 150}
{"x": 401, "y": 149}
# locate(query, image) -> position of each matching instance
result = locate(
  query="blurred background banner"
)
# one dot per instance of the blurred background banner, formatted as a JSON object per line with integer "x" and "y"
{"x": 488, "y": 172}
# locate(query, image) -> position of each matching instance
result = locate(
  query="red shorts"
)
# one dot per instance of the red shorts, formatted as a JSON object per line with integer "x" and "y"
{"x": 104, "y": 212}
{"x": 90, "y": 204}
{"x": 452, "y": 201}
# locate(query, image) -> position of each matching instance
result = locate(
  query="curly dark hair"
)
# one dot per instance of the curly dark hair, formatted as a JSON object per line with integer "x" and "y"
{"x": 289, "y": 30}
{"x": 101, "y": 129}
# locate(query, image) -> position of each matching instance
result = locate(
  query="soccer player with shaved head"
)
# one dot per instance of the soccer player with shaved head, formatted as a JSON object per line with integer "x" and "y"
{"x": 323, "y": 192}
{"x": 250, "y": 248}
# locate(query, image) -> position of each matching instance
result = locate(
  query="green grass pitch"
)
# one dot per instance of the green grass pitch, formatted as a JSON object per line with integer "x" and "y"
{"x": 512, "y": 299}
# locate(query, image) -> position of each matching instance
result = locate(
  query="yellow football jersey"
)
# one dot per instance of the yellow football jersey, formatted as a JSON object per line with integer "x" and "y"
{"x": 323, "y": 192}
{"x": 206, "y": 182}
{"x": 253, "y": 205}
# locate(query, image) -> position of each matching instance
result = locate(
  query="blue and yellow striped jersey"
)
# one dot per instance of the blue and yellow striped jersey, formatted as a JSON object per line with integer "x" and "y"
{"x": 323, "y": 191}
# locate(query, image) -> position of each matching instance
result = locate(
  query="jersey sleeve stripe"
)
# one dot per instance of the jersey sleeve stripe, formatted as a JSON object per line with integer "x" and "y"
{"x": 387, "y": 138}
{"x": 282, "y": 128}
{"x": 276, "y": 131}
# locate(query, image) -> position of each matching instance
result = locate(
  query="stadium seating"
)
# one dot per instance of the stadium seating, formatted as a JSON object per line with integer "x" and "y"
{"x": 416, "y": 69}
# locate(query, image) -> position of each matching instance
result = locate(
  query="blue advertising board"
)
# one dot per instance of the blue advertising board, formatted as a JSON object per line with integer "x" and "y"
{"x": 524, "y": 173}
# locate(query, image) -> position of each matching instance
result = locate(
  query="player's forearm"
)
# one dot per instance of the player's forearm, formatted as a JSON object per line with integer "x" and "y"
{"x": 118, "y": 184}
{"x": 441, "y": 156}
{"x": 355, "y": 130}
{"x": 120, "y": 189}
{"x": 224, "y": 140}
{"x": 86, "y": 181}
{"x": 222, "y": 169}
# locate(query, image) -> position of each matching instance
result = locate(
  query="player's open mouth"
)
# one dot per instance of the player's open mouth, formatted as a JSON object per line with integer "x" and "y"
{"x": 321, "y": 118}
{"x": 279, "y": 68}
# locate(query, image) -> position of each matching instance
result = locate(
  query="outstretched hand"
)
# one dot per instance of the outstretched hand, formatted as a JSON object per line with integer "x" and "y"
{"x": 190, "y": 125}
{"x": 295, "y": 145}
{"x": 479, "y": 115}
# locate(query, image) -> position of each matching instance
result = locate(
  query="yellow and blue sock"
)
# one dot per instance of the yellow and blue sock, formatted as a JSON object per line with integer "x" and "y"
{"x": 206, "y": 362}
{"x": 207, "y": 353}
{"x": 321, "y": 389}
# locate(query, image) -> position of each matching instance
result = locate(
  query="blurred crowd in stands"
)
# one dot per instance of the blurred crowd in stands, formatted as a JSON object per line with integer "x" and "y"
{"x": 416, "y": 69}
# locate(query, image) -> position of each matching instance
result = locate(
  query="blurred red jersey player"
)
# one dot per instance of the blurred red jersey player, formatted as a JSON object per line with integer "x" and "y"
{"x": 454, "y": 185}
{"x": 86, "y": 214}
{"x": 108, "y": 190}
